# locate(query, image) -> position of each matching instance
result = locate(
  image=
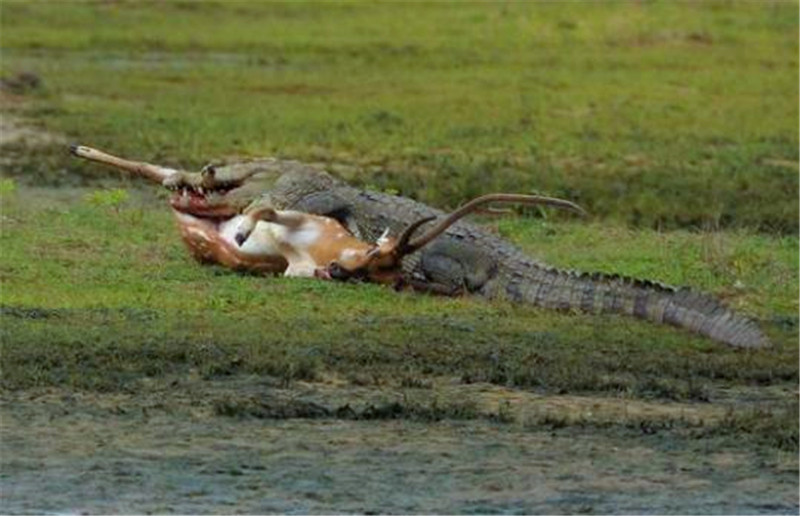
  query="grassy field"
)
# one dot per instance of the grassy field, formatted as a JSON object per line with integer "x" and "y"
{"x": 655, "y": 114}
{"x": 675, "y": 125}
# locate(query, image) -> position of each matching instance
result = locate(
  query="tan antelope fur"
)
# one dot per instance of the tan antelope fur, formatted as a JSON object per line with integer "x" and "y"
{"x": 320, "y": 246}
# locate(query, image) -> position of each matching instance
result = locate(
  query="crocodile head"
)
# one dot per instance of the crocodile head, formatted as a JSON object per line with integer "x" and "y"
{"x": 219, "y": 193}
{"x": 214, "y": 192}
{"x": 207, "y": 206}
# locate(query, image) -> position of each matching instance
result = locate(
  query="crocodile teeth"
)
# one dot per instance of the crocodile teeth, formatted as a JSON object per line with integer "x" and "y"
{"x": 200, "y": 190}
{"x": 184, "y": 192}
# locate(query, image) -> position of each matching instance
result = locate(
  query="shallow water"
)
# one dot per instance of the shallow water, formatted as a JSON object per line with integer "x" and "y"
{"x": 104, "y": 454}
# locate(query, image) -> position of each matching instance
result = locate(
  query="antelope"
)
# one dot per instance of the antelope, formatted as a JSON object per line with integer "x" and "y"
{"x": 317, "y": 246}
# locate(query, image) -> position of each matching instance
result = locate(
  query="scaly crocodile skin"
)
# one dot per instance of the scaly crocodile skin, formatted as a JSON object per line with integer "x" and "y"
{"x": 467, "y": 259}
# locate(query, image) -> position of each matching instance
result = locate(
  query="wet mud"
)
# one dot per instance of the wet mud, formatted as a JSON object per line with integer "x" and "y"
{"x": 172, "y": 450}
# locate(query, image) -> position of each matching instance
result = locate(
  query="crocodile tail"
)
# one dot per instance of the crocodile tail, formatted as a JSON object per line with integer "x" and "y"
{"x": 656, "y": 302}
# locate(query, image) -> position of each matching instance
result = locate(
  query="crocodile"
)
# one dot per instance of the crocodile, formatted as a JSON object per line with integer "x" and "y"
{"x": 465, "y": 259}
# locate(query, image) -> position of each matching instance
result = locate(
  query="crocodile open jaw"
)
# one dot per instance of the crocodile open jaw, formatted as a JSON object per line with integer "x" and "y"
{"x": 199, "y": 202}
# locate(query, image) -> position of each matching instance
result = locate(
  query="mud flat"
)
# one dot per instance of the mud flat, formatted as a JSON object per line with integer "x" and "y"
{"x": 95, "y": 453}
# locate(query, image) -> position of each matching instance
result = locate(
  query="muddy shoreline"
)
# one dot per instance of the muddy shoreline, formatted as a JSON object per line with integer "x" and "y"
{"x": 109, "y": 453}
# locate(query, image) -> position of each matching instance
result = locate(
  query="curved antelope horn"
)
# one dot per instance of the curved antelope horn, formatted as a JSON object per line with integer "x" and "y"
{"x": 405, "y": 247}
{"x": 405, "y": 236}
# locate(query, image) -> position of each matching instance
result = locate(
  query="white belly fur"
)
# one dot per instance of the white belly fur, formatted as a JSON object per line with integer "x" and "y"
{"x": 295, "y": 242}
{"x": 275, "y": 239}
{"x": 261, "y": 241}
{"x": 268, "y": 239}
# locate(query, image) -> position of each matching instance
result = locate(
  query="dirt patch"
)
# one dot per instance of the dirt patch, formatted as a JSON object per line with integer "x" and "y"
{"x": 14, "y": 131}
{"x": 598, "y": 409}
{"x": 271, "y": 398}
{"x": 30, "y": 154}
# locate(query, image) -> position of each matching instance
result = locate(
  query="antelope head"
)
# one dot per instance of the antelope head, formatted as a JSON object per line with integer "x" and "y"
{"x": 382, "y": 263}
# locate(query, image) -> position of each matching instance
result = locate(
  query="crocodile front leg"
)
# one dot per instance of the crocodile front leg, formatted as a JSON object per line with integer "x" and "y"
{"x": 452, "y": 268}
{"x": 329, "y": 204}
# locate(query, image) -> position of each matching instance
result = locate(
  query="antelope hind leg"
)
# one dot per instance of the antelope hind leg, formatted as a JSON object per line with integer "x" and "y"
{"x": 149, "y": 171}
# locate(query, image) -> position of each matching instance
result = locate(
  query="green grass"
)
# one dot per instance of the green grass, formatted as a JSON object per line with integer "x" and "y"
{"x": 101, "y": 312}
{"x": 657, "y": 114}
{"x": 674, "y": 124}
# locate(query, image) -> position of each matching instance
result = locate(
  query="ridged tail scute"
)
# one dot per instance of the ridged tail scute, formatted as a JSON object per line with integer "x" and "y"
{"x": 653, "y": 301}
